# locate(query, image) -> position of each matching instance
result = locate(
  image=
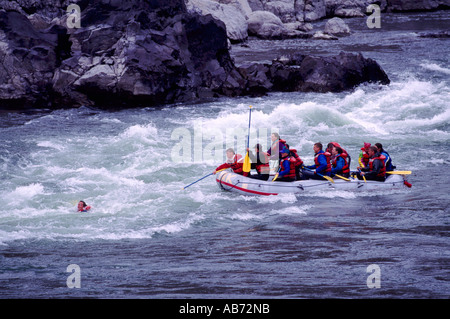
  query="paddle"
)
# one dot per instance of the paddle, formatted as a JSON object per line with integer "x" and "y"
{"x": 247, "y": 165}
{"x": 399, "y": 172}
{"x": 202, "y": 178}
{"x": 344, "y": 178}
{"x": 328, "y": 178}
{"x": 364, "y": 178}
{"x": 361, "y": 164}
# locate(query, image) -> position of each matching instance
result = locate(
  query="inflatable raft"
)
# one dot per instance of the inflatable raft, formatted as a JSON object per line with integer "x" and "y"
{"x": 230, "y": 181}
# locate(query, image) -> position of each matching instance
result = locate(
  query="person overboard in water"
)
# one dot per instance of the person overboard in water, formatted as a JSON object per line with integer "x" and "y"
{"x": 83, "y": 207}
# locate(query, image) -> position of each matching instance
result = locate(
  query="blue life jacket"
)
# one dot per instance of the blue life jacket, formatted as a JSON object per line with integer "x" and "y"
{"x": 388, "y": 161}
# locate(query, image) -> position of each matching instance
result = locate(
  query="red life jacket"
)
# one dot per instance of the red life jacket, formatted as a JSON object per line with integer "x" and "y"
{"x": 382, "y": 172}
{"x": 327, "y": 156}
{"x": 292, "y": 164}
{"x": 298, "y": 161}
{"x": 237, "y": 165}
{"x": 346, "y": 168}
{"x": 84, "y": 209}
{"x": 263, "y": 167}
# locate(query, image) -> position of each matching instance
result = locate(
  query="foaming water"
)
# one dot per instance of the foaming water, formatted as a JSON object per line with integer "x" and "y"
{"x": 435, "y": 67}
{"x": 130, "y": 177}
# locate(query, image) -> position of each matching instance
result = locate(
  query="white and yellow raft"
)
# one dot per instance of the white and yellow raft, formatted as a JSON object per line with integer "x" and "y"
{"x": 229, "y": 181}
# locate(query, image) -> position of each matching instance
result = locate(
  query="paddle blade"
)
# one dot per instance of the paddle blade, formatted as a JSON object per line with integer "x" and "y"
{"x": 399, "y": 172}
{"x": 247, "y": 165}
{"x": 328, "y": 178}
{"x": 276, "y": 176}
{"x": 342, "y": 177}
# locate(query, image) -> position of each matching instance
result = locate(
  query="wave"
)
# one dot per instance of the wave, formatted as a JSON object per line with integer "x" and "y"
{"x": 411, "y": 106}
{"x": 21, "y": 194}
{"x": 435, "y": 67}
{"x": 50, "y": 144}
{"x": 144, "y": 133}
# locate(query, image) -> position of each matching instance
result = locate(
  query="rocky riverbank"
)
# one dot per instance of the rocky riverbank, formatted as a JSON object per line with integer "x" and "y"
{"x": 144, "y": 53}
{"x": 283, "y": 19}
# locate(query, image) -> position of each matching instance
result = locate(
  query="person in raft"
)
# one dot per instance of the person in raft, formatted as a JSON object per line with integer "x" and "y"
{"x": 286, "y": 172}
{"x": 260, "y": 162}
{"x": 388, "y": 160}
{"x": 339, "y": 162}
{"x": 364, "y": 155}
{"x": 344, "y": 152}
{"x": 322, "y": 164}
{"x": 83, "y": 207}
{"x": 234, "y": 161}
{"x": 375, "y": 170}
{"x": 277, "y": 146}
{"x": 298, "y": 162}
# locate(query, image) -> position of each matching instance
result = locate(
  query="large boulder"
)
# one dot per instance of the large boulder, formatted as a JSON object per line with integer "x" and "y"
{"x": 337, "y": 26}
{"x": 150, "y": 57}
{"x": 28, "y": 59}
{"x": 339, "y": 73}
{"x": 313, "y": 73}
{"x": 233, "y": 14}
{"x": 258, "y": 81}
{"x": 266, "y": 25}
{"x": 314, "y": 10}
{"x": 132, "y": 53}
{"x": 284, "y": 9}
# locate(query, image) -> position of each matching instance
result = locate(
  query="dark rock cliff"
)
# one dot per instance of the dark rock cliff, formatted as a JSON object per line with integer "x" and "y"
{"x": 143, "y": 53}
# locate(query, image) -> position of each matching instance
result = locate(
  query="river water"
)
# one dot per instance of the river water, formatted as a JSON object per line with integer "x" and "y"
{"x": 146, "y": 237}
